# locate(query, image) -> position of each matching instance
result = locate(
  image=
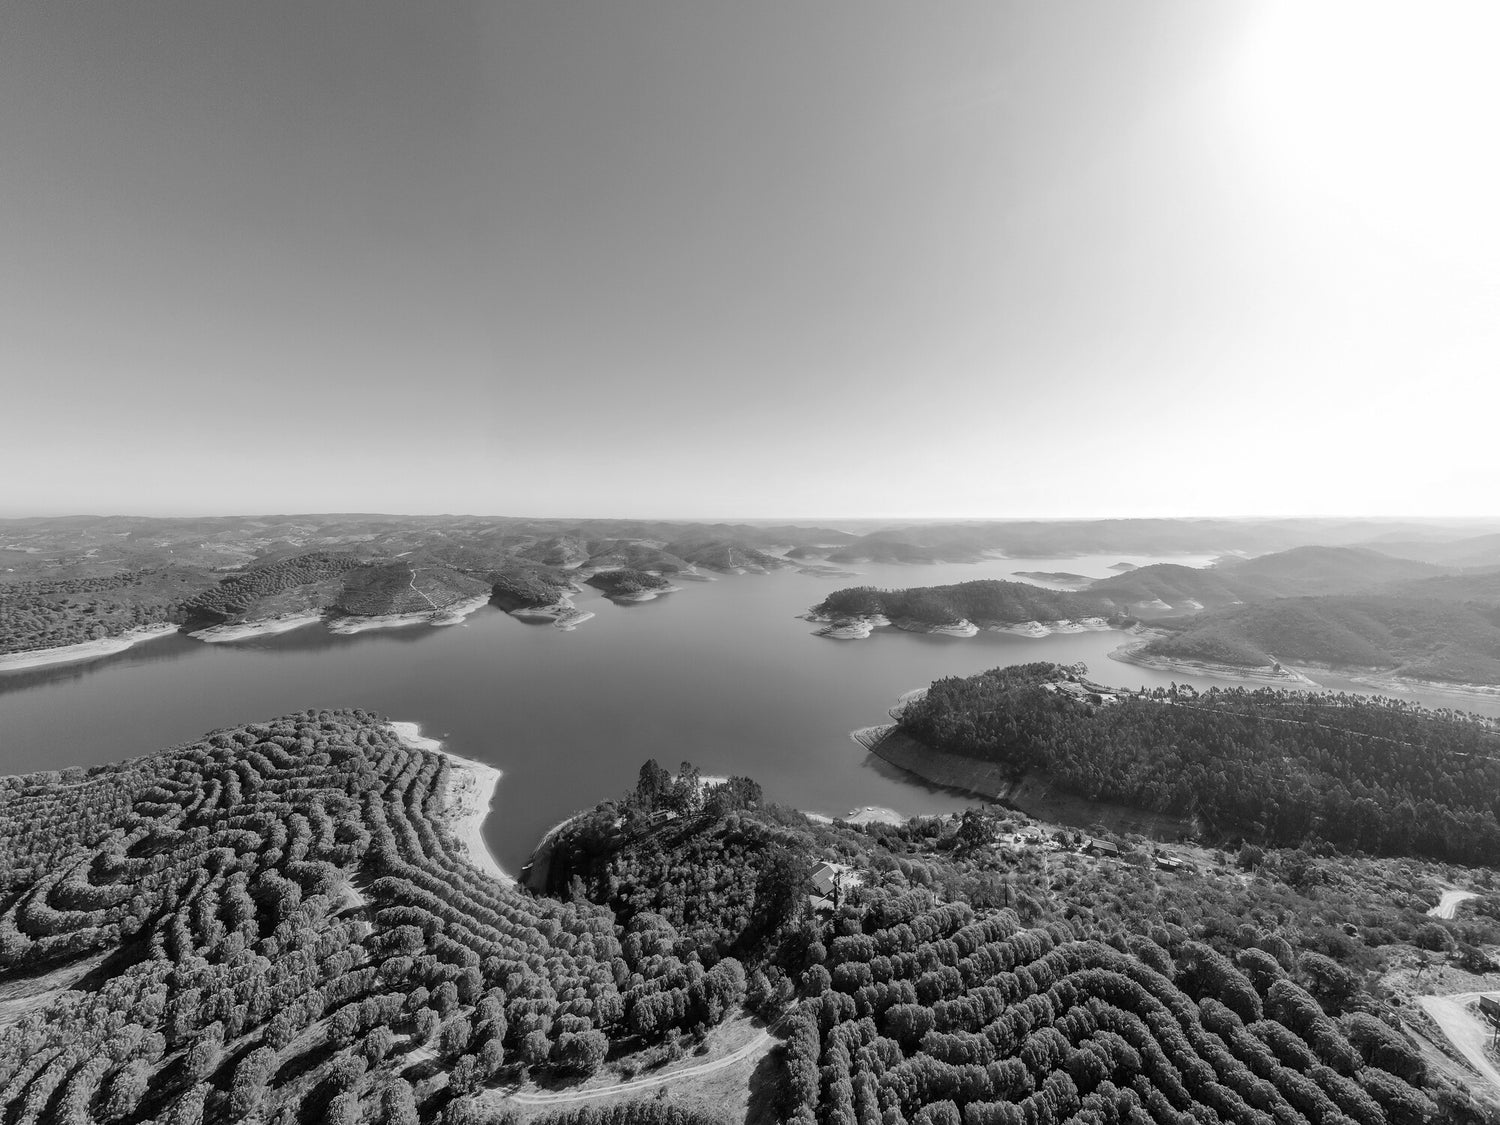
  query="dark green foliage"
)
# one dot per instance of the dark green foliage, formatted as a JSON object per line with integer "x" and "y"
{"x": 993, "y": 1022}
{"x": 239, "y": 593}
{"x": 403, "y": 586}
{"x": 523, "y": 586}
{"x": 626, "y": 582}
{"x": 284, "y": 920}
{"x": 53, "y": 612}
{"x": 985, "y": 601}
{"x": 1369, "y": 773}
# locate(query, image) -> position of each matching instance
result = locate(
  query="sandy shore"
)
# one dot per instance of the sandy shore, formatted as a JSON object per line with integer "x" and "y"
{"x": 1130, "y": 653}
{"x": 961, "y": 628}
{"x": 644, "y": 595}
{"x": 1039, "y": 629}
{"x": 448, "y": 615}
{"x": 87, "y": 650}
{"x": 218, "y": 634}
{"x": 562, "y": 613}
{"x": 1389, "y": 684}
{"x": 471, "y": 788}
{"x": 847, "y": 628}
{"x": 860, "y": 628}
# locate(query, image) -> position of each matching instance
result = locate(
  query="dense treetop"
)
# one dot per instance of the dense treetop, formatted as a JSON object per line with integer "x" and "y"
{"x": 1282, "y": 766}
{"x": 984, "y": 601}
{"x": 275, "y": 924}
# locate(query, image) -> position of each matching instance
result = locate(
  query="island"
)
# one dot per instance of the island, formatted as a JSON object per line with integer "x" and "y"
{"x": 960, "y": 610}
{"x": 630, "y": 585}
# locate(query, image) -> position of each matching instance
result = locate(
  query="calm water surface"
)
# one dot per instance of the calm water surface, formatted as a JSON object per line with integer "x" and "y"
{"x": 722, "y": 674}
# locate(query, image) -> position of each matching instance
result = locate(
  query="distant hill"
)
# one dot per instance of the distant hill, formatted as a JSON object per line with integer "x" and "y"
{"x": 1474, "y": 551}
{"x": 1167, "y": 587}
{"x": 635, "y": 555}
{"x": 1421, "y": 638}
{"x": 1322, "y": 570}
{"x": 725, "y": 554}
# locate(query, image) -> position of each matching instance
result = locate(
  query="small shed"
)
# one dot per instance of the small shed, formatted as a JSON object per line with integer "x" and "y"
{"x": 1102, "y": 847}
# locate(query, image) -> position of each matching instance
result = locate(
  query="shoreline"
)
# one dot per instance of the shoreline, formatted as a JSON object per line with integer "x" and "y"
{"x": 449, "y": 615}
{"x": 1130, "y": 653}
{"x": 467, "y": 799}
{"x": 645, "y": 595}
{"x": 861, "y": 627}
{"x": 222, "y": 634}
{"x": 562, "y": 613}
{"x": 84, "y": 650}
{"x": 1405, "y": 685}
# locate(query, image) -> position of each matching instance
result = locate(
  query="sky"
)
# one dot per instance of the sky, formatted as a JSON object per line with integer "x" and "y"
{"x": 854, "y": 258}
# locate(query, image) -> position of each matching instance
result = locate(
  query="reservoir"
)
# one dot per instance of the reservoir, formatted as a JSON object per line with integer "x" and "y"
{"x": 722, "y": 674}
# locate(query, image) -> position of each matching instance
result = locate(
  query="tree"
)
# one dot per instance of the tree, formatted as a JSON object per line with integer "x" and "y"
{"x": 398, "y": 1104}
{"x": 974, "y": 831}
{"x": 654, "y": 782}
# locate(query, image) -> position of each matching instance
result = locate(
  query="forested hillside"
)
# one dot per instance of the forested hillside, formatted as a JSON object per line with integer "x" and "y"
{"x": 1431, "y": 638}
{"x": 64, "y": 582}
{"x": 405, "y": 587}
{"x": 1283, "y": 767}
{"x": 262, "y": 589}
{"x": 275, "y": 924}
{"x": 52, "y": 612}
{"x": 627, "y": 583}
{"x": 1301, "y": 571}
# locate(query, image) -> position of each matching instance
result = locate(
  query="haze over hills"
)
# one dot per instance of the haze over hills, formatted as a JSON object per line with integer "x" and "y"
{"x": 1341, "y": 608}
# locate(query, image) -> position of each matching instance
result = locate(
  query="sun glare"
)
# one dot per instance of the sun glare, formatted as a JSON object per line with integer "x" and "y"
{"x": 1387, "y": 111}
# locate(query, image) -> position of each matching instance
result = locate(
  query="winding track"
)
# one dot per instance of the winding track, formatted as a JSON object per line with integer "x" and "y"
{"x": 1463, "y": 1029}
{"x": 762, "y": 1041}
{"x": 1448, "y": 906}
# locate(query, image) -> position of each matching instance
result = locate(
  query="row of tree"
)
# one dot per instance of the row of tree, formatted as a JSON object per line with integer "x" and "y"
{"x": 1281, "y": 766}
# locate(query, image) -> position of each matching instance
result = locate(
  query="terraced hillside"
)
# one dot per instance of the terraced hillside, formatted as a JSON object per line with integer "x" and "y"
{"x": 277, "y": 922}
{"x": 939, "y": 1015}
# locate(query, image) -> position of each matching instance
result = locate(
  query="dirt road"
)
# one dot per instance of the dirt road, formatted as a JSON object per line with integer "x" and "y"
{"x": 1449, "y": 903}
{"x": 1464, "y": 1029}
{"x": 761, "y": 1042}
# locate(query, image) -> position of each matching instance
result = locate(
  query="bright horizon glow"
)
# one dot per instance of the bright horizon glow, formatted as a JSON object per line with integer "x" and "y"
{"x": 1020, "y": 262}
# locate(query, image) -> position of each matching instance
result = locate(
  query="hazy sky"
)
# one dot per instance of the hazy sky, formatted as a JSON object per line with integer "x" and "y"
{"x": 793, "y": 259}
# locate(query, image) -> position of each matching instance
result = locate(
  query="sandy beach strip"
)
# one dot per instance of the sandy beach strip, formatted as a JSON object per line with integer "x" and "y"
{"x": 471, "y": 788}
{"x": 448, "y": 615}
{"x": 1130, "y": 653}
{"x": 220, "y": 634}
{"x": 86, "y": 650}
{"x": 645, "y": 595}
{"x": 562, "y": 613}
